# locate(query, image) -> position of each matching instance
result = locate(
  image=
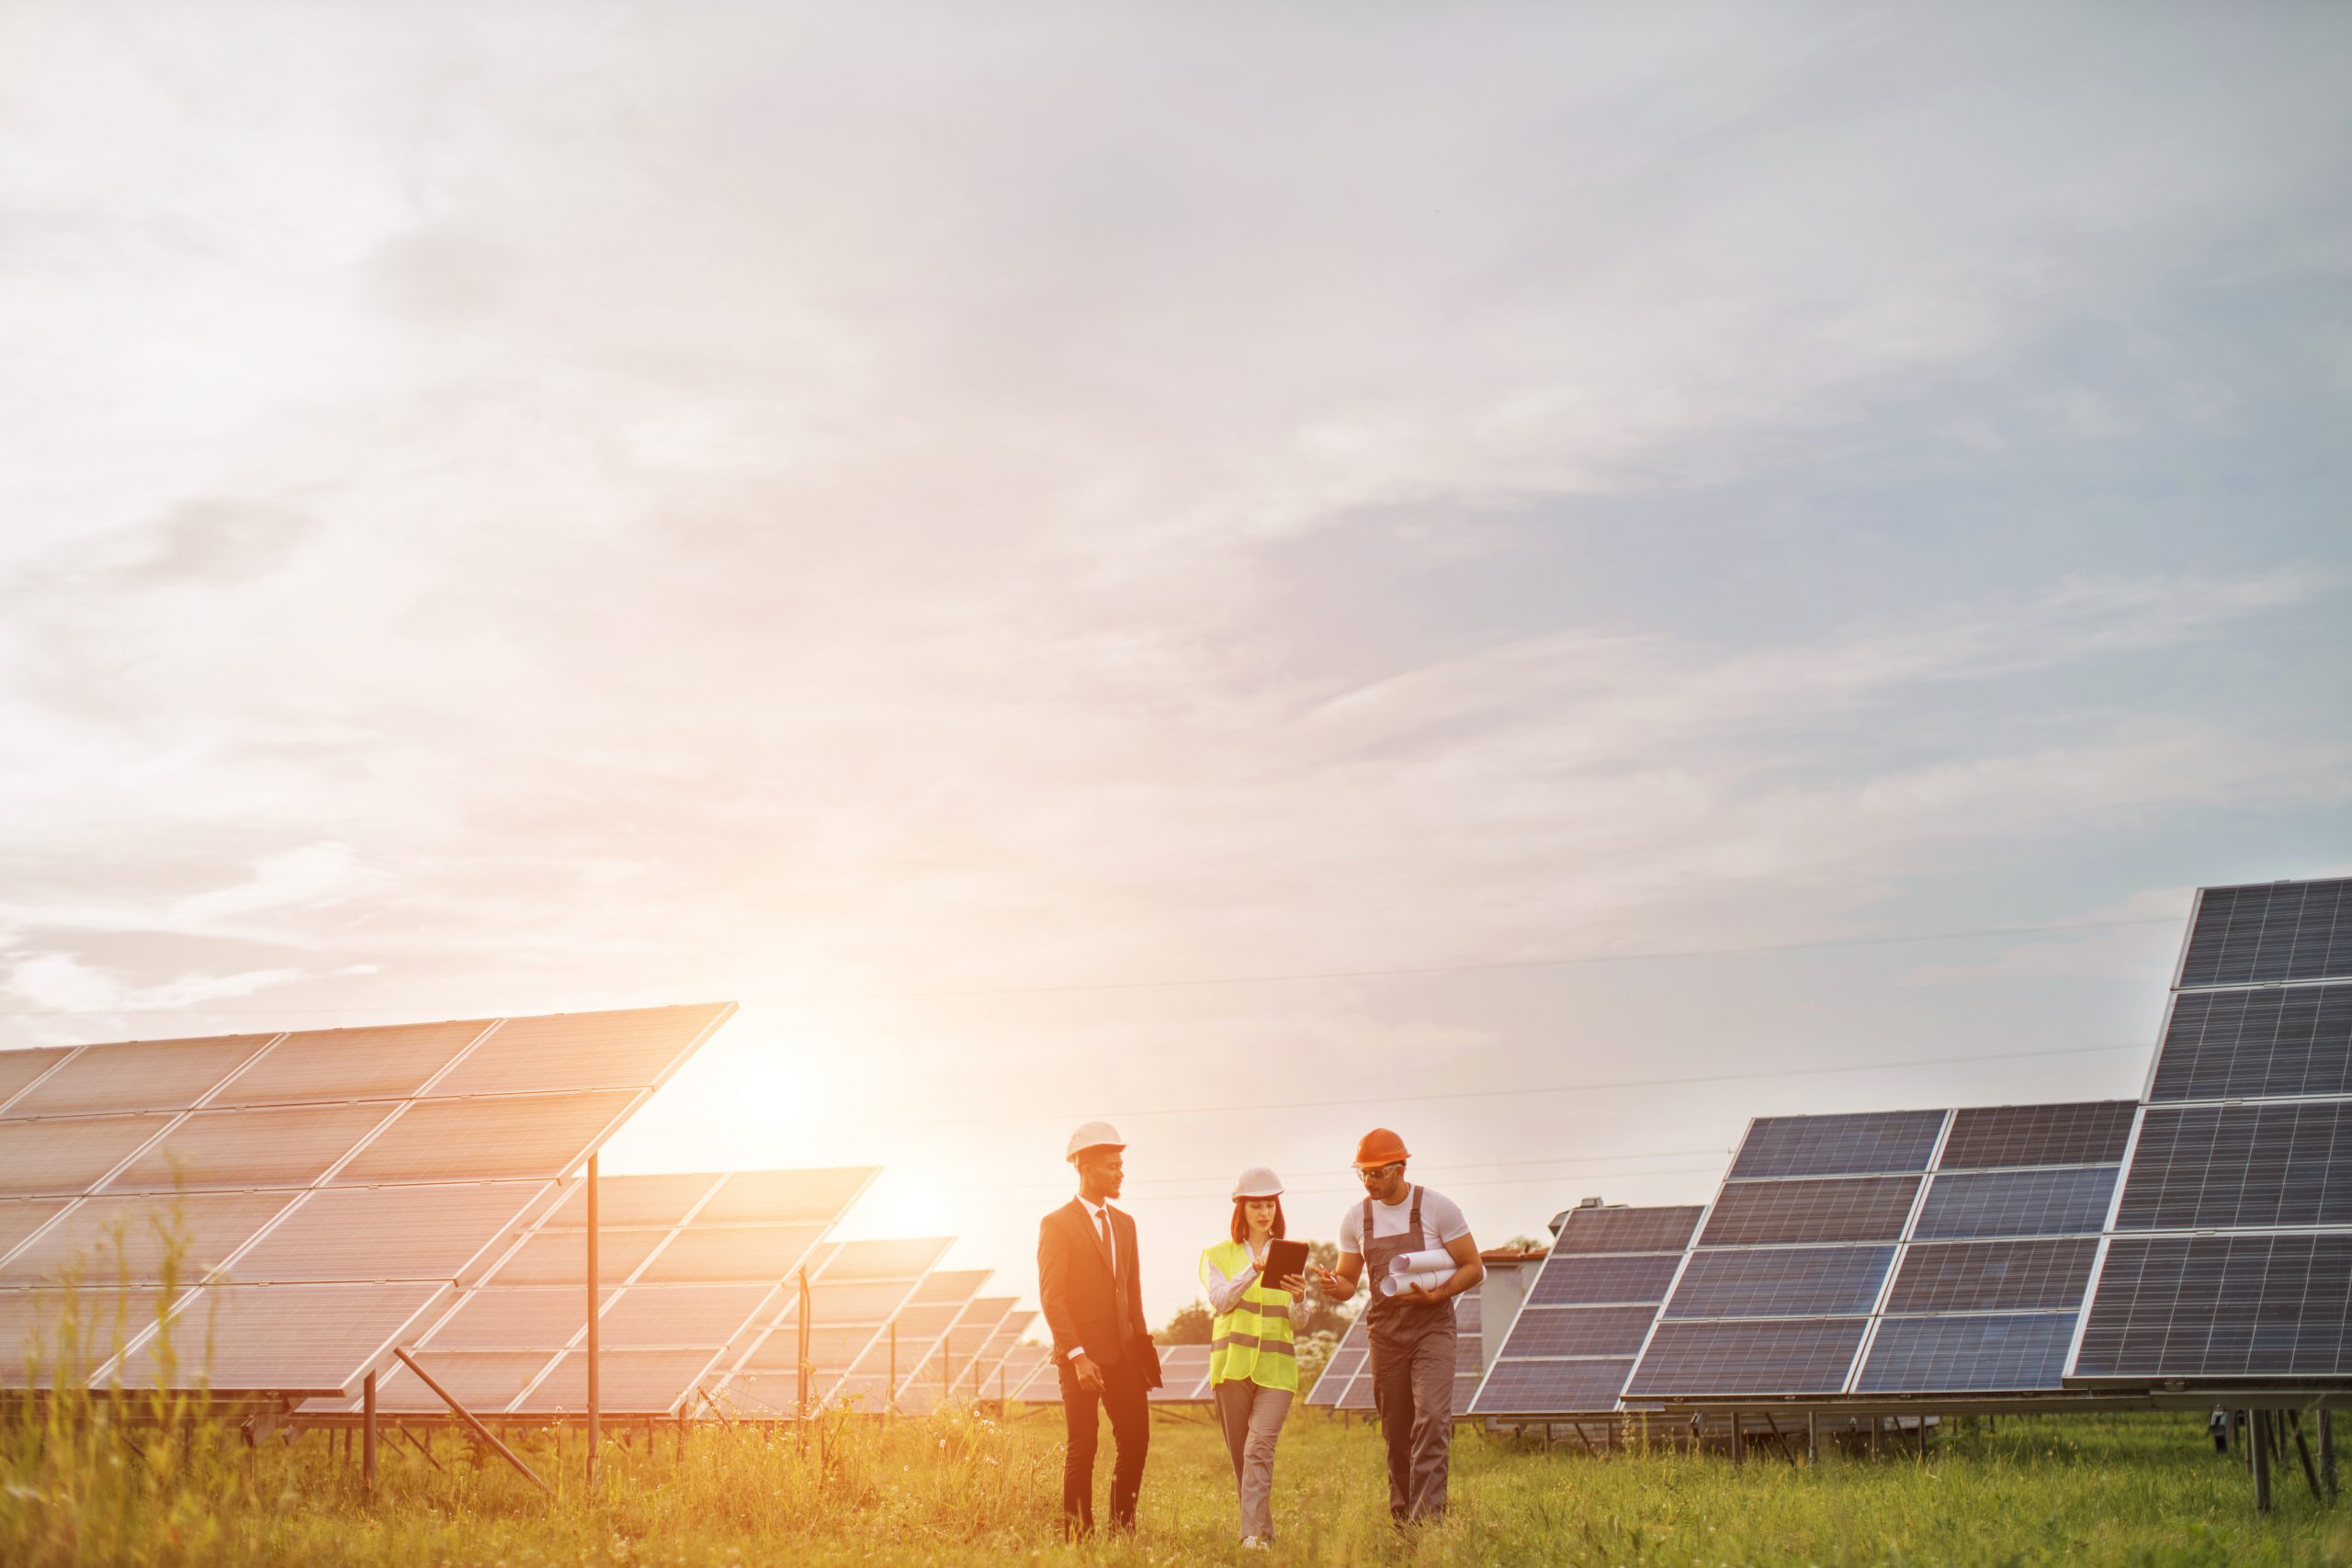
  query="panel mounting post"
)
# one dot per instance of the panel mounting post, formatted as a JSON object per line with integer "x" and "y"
{"x": 367, "y": 1435}
{"x": 595, "y": 1394}
{"x": 2261, "y": 1457}
{"x": 2327, "y": 1452}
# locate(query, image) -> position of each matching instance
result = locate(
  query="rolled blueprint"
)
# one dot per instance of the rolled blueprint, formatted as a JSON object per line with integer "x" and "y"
{"x": 1429, "y": 1278}
{"x": 1421, "y": 1262}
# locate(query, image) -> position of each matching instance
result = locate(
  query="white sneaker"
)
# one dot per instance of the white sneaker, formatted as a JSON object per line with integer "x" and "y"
{"x": 1255, "y": 1543}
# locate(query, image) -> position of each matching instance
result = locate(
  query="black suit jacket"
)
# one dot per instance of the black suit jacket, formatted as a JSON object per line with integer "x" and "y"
{"x": 1075, "y": 1288}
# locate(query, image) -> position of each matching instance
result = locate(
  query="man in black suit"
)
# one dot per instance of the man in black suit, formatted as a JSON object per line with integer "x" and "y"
{"x": 1093, "y": 1300}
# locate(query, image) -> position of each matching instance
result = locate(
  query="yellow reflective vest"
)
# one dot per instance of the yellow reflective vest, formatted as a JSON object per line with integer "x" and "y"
{"x": 1253, "y": 1342}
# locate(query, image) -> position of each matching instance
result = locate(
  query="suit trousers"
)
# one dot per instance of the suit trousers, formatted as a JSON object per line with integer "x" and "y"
{"x": 1123, "y": 1399}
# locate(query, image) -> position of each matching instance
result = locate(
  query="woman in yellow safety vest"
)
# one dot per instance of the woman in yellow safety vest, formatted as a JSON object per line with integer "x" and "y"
{"x": 1253, "y": 1370}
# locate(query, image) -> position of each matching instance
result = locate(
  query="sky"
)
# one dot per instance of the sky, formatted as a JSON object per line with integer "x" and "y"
{"x": 1521, "y": 574}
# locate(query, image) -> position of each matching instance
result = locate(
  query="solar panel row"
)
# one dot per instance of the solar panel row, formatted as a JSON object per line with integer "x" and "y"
{"x": 1918, "y": 1275}
{"x": 317, "y": 1195}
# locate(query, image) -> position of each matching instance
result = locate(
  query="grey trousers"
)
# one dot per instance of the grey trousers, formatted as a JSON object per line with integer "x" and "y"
{"x": 1252, "y": 1416}
{"x": 1412, "y": 1393}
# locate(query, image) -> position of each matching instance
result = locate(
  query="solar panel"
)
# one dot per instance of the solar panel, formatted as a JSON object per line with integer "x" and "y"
{"x": 1991, "y": 1137}
{"x": 1758, "y": 1214}
{"x": 945, "y": 1371}
{"x": 1996, "y": 1353}
{"x": 334, "y": 1166}
{"x": 2269, "y": 933}
{"x": 1652, "y": 1229}
{"x": 1593, "y": 1300}
{"x": 1869, "y": 1143}
{"x": 2198, "y": 1280}
{"x": 1984, "y": 1204}
{"x": 1994, "y": 1276}
{"x": 1183, "y": 1375}
{"x": 1780, "y": 1282}
{"x": 2274, "y": 1044}
{"x": 2221, "y": 1307}
{"x": 1780, "y": 1356}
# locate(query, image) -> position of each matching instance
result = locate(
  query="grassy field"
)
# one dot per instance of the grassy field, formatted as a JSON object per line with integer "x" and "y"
{"x": 959, "y": 1489}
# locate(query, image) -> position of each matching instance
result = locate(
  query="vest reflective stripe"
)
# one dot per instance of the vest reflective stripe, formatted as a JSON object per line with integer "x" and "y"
{"x": 1253, "y": 1342}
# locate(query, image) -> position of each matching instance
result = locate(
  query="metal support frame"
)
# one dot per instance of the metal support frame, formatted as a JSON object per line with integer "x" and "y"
{"x": 2328, "y": 1452}
{"x": 423, "y": 1446}
{"x": 891, "y": 1409}
{"x": 2261, "y": 1456}
{"x": 595, "y": 1394}
{"x": 2294, "y": 1419}
{"x": 473, "y": 1423}
{"x": 367, "y": 1435}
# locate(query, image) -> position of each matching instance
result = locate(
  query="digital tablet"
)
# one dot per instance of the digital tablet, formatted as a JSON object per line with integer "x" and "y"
{"x": 1283, "y": 1258}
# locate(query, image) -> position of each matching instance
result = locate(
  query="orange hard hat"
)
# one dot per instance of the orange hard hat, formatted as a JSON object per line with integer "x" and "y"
{"x": 1380, "y": 1147}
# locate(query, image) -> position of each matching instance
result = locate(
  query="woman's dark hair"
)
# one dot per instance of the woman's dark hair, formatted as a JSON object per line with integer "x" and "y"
{"x": 1241, "y": 1219}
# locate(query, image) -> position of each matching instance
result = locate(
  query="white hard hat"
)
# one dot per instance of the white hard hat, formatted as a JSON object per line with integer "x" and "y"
{"x": 1258, "y": 1182}
{"x": 1093, "y": 1134}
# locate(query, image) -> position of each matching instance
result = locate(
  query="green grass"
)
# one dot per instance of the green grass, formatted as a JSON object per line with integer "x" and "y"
{"x": 959, "y": 1489}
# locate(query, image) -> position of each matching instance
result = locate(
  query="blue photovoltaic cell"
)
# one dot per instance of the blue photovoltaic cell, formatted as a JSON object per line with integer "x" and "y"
{"x": 1994, "y": 1276}
{"x": 2223, "y": 1166}
{"x": 2091, "y": 1132}
{"x": 1760, "y": 1354}
{"x": 1787, "y": 1281}
{"x": 2221, "y": 1306}
{"x": 1873, "y": 1142}
{"x": 2270, "y": 931}
{"x": 1557, "y": 1388}
{"x": 2017, "y": 1202}
{"x": 2255, "y": 1044}
{"x": 2010, "y": 1353}
{"x": 1757, "y": 1213}
{"x": 1583, "y": 1281}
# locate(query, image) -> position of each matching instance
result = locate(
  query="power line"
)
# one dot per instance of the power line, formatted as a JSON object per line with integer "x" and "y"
{"x": 1275, "y": 977}
{"x": 1418, "y": 1097}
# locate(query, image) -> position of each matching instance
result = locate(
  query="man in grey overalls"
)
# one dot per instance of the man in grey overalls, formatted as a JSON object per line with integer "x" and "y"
{"x": 1410, "y": 1319}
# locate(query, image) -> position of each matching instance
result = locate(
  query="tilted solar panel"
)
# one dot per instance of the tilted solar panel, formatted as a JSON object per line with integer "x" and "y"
{"x": 2269, "y": 933}
{"x": 2200, "y": 1278}
{"x": 2286, "y": 1043}
{"x": 1781, "y": 1282}
{"x": 1856, "y": 1208}
{"x": 1587, "y": 1311}
{"x": 1805, "y": 1287}
{"x": 2046, "y": 1274}
{"x": 856, "y": 1290}
{"x": 1991, "y": 1137}
{"x": 1347, "y": 1361}
{"x": 1867, "y": 1143}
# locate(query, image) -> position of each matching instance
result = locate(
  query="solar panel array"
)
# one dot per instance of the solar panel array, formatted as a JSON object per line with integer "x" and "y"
{"x": 1904, "y": 1252}
{"x": 1593, "y": 1301}
{"x": 930, "y": 1311}
{"x": 856, "y": 1290}
{"x": 325, "y": 1192}
{"x": 950, "y": 1372}
{"x": 2229, "y": 1256}
{"x": 695, "y": 1264}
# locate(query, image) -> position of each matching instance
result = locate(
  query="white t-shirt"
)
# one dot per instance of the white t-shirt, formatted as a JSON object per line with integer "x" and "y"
{"x": 1441, "y": 1221}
